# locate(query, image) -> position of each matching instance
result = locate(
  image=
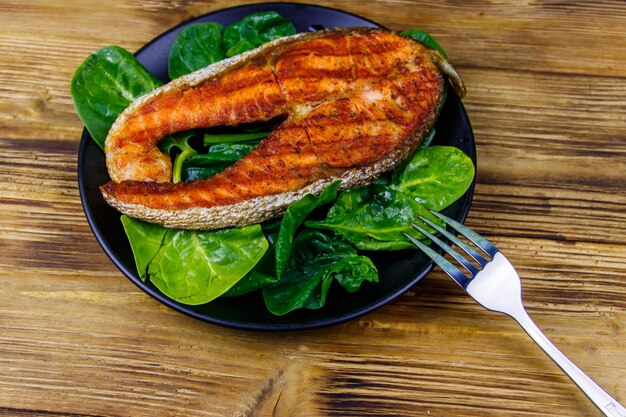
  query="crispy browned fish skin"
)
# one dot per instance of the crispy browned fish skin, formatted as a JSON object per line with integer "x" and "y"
{"x": 358, "y": 102}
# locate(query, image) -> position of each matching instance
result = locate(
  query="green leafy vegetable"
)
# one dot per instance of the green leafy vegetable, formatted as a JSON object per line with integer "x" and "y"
{"x": 179, "y": 141}
{"x": 220, "y": 156}
{"x": 195, "y": 267}
{"x": 317, "y": 259}
{"x": 270, "y": 230}
{"x": 423, "y": 37}
{"x": 213, "y": 138}
{"x": 104, "y": 85}
{"x": 294, "y": 216}
{"x": 224, "y": 150}
{"x": 145, "y": 241}
{"x": 252, "y": 282}
{"x": 428, "y": 140}
{"x": 263, "y": 273}
{"x": 195, "y": 47}
{"x": 436, "y": 176}
{"x": 254, "y": 30}
{"x": 375, "y": 218}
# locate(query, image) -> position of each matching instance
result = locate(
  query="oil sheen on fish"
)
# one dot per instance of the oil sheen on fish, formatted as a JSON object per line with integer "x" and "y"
{"x": 355, "y": 102}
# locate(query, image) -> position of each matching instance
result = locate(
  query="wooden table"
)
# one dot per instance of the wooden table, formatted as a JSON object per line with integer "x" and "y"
{"x": 547, "y": 99}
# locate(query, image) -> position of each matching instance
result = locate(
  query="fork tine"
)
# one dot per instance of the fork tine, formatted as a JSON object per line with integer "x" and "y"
{"x": 477, "y": 239}
{"x": 459, "y": 258}
{"x": 468, "y": 249}
{"x": 448, "y": 267}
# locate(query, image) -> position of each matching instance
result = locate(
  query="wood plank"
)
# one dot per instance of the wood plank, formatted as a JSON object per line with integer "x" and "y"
{"x": 44, "y": 97}
{"x": 425, "y": 355}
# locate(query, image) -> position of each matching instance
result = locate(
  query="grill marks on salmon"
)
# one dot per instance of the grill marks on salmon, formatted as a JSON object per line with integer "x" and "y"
{"x": 357, "y": 102}
{"x": 250, "y": 93}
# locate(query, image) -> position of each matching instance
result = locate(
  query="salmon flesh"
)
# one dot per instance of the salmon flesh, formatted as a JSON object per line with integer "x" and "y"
{"x": 355, "y": 102}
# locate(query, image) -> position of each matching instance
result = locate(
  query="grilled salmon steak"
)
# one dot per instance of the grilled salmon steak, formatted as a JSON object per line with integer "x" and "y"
{"x": 355, "y": 102}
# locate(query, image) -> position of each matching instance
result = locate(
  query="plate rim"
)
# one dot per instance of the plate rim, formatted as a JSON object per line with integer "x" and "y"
{"x": 86, "y": 140}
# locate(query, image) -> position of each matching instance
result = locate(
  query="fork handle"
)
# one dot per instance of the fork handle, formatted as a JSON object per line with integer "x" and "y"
{"x": 607, "y": 404}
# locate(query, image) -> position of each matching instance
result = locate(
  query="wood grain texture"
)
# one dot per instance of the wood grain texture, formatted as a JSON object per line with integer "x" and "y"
{"x": 547, "y": 101}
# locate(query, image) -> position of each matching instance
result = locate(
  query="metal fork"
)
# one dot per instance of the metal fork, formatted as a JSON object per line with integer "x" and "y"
{"x": 497, "y": 287}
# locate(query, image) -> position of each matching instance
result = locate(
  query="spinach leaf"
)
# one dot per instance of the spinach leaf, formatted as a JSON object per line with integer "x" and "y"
{"x": 270, "y": 230}
{"x": 376, "y": 217}
{"x": 317, "y": 259}
{"x": 104, "y": 85}
{"x": 213, "y": 138}
{"x": 254, "y": 30}
{"x": 180, "y": 142}
{"x": 423, "y": 37}
{"x": 195, "y": 267}
{"x": 145, "y": 240}
{"x": 428, "y": 140}
{"x": 229, "y": 152}
{"x": 253, "y": 281}
{"x": 436, "y": 176}
{"x": 224, "y": 150}
{"x": 263, "y": 273}
{"x": 195, "y": 47}
{"x": 295, "y": 214}
{"x": 219, "y": 157}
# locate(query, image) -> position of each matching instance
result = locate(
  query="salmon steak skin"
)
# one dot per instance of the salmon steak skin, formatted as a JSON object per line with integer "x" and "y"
{"x": 356, "y": 103}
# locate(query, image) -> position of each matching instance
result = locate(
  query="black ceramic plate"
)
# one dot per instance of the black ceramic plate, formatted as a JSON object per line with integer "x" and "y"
{"x": 398, "y": 270}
